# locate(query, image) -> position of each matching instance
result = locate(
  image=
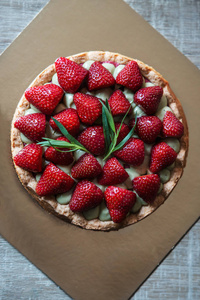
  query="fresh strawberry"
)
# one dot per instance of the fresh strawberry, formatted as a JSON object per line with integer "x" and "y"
{"x": 119, "y": 202}
{"x": 32, "y": 126}
{"x": 86, "y": 167}
{"x": 132, "y": 152}
{"x": 99, "y": 77}
{"x": 123, "y": 131}
{"x": 45, "y": 97}
{"x": 92, "y": 138}
{"x": 57, "y": 157}
{"x": 147, "y": 186}
{"x": 119, "y": 105}
{"x": 113, "y": 173}
{"x": 85, "y": 196}
{"x": 30, "y": 158}
{"x": 130, "y": 76}
{"x": 162, "y": 156}
{"x": 69, "y": 119}
{"x": 148, "y": 128}
{"x": 149, "y": 98}
{"x": 70, "y": 74}
{"x": 53, "y": 181}
{"x": 172, "y": 127}
{"x": 131, "y": 123}
{"x": 89, "y": 108}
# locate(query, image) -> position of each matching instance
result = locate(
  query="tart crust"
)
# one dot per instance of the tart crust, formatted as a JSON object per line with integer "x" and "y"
{"x": 63, "y": 211}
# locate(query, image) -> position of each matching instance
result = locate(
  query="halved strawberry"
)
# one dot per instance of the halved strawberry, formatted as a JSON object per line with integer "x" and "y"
{"x": 69, "y": 119}
{"x": 32, "y": 126}
{"x": 53, "y": 181}
{"x": 119, "y": 105}
{"x": 85, "y": 196}
{"x": 89, "y": 108}
{"x": 99, "y": 77}
{"x": 132, "y": 152}
{"x": 148, "y": 128}
{"x": 113, "y": 173}
{"x": 172, "y": 127}
{"x": 119, "y": 202}
{"x": 30, "y": 158}
{"x": 45, "y": 97}
{"x": 162, "y": 156}
{"x": 57, "y": 157}
{"x": 147, "y": 186}
{"x": 130, "y": 76}
{"x": 149, "y": 98}
{"x": 86, "y": 167}
{"x": 70, "y": 74}
{"x": 123, "y": 131}
{"x": 92, "y": 138}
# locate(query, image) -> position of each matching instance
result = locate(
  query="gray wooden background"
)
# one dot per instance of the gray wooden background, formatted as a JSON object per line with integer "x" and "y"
{"x": 178, "y": 276}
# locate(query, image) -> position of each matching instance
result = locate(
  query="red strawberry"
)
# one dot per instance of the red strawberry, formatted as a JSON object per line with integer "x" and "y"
{"x": 86, "y": 167}
{"x": 32, "y": 126}
{"x": 53, "y": 181}
{"x": 119, "y": 105}
{"x": 172, "y": 127}
{"x": 147, "y": 186}
{"x": 148, "y": 128}
{"x": 149, "y": 98}
{"x": 69, "y": 119}
{"x": 85, "y": 196}
{"x": 92, "y": 138}
{"x": 123, "y": 131}
{"x": 130, "y": 76}
{"x": 89, "y": 108}
{"x": 131, "y": 124}
{"x": 30, "y": 158}
{"x": 70, "y": 74}
{"x": 57, "y": 157}
{"x": 99, "y": 77}
{"x": 162, "y": 156}
{"x": 119, "y": 202}
{"x": 132, "y": 152}
{"x": 113, "y": 173}
{"x": 45, "y": 97}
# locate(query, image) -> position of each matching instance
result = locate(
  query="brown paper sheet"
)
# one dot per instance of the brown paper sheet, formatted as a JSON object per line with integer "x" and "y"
{"x": 88, "y": 264}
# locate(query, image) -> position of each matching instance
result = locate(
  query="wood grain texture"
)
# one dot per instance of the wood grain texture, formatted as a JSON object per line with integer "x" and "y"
{"x": 178, "y": 276}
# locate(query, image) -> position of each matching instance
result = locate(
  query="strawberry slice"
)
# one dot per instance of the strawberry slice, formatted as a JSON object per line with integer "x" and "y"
{"x": 113, "y": 173}
{"x": 147, "y": 186}
{"x": 123, "y": 131}
{"x": 162, "y": 156}
{"x": 119, "y": 105}
{"x": 172, "y": 127}
{"x": 57, "y": 157}
{"x": 53, "y": 181}
{"x": 85, "y": 196}
{"x": 86, "y": 167}
{"x": 148, "y": 128}
{"x": 69, "y": 119}
{"x": 45, "y": 97}
{"x": 149, "y": 98}
{"x": 99, "y": 77}
{"x": 92, "y": 138}
{"x": 132, "y": 152}
{"x": 130, "y": 76}
{"x": 119, "y": 202}
{"x": 89, "y": 108}
{"x": 32, "y": 126}
{"x": 70, "y": 74}
{"x": 30, "y": 158}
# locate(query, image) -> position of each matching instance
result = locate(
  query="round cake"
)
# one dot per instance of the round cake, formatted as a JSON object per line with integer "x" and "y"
{"x": 99, "y": 139}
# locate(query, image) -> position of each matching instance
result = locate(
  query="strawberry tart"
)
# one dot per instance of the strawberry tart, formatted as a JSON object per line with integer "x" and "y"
{"x": 99, "y": 139}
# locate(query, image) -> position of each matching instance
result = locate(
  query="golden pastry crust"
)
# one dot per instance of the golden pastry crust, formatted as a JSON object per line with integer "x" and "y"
{"x": 63, "y": 211}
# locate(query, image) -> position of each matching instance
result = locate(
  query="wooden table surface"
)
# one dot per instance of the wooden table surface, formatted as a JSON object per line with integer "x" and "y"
{"x": 178, "y": 276}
